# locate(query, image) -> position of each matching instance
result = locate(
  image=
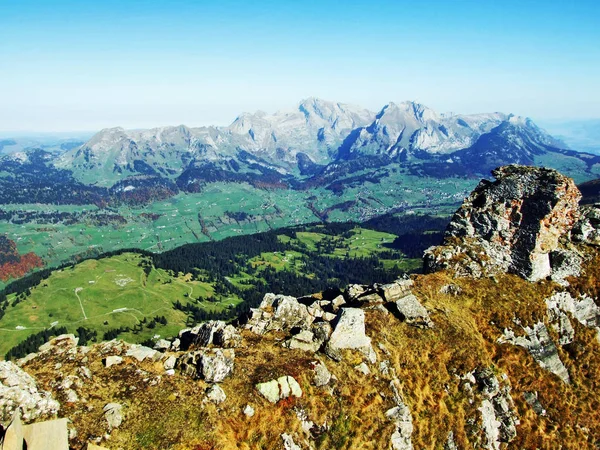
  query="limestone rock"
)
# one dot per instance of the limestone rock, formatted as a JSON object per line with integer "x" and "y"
{"x": 113, "y": 413}
{"x": 402, "y": 418}
{"x": 60, "y": 344}
{"x": 142, "y": 353}
{"x": 310, "y": 340}
{"x": 49, "y": 435}
{"x": 349, "y": 333}
{"x": 499, "y": 417}
{"x": 279, "y": 313}
{"x": 587, "y": 229}
{"x": 510, "y": 225}
{"x": 216, "y": 394}
{"x": 532, "y": 400}
{"x": 18, "y": 390}
{"x": 214, "y": 332}
{"x": 565, "y": 263}
{"x": 162, "y": 345}
{"x": 212, "y": 365}
{"x": 321, "y": 376}
{"x": 413, "y": 312}
{"x": 170, "y": 362}
{"x": 288, "y": 442}
{"x": 112, "y": 360}
{"x": 249, "y": 411}
{"x": 539, "y": 344}
{"x": 283, "y": 387}
{"x": 394, "y": 291}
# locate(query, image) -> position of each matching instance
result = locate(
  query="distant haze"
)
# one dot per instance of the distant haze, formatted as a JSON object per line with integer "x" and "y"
{"x": 69, "y": 65}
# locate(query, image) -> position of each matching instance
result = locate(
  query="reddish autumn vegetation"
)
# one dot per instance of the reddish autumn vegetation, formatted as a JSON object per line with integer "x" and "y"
{"x": 13, "y": 265}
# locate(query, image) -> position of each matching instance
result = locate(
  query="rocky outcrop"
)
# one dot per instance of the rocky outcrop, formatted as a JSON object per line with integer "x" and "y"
{"x": 561, "y": 305}
{"x": 540, "y": 345}
{"x": 18, "y": 390}
{"x": 498, "y": 415}
{"x": 214, "y": 332}
{"x": 279, "y": 313}
{"x": 402, "y": 418}
{"x": 212, "y": 365}
{"x": 509, "y": 225}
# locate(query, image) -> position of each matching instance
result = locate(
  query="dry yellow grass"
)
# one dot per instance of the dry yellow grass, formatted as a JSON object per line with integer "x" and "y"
{"x": 350, "y": 414}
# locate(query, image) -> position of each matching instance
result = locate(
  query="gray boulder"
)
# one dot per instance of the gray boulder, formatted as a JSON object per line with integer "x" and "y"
{"x": 283, "y": 387}
{"x": 413, "y": 312}
{"x": 587, "y": 229}
{"x": 113, "y": 413}
{"x": 349, "y": 333}
{"x": 321, "y": 375}
{"x": 212, "y": 365}
{"x": 216, "y": 394}
{"x": 279, "y": 313}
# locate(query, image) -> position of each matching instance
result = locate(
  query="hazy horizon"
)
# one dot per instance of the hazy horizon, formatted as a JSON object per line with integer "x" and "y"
{"x": 73, "y": 67}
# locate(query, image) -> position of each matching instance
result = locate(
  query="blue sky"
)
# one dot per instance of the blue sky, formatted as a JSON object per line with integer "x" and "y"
{"x": 83, "y": 65}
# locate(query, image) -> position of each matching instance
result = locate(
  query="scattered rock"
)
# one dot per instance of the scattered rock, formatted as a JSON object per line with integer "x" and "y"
{"x": 162, "y": 345}
{"x": 413, "y": 312}
{"x": 402, "y": 418}
{"x": 541, "y": 347}
{"x": 499, "y": 417}
{"x": 142, "y": 353}
{"x": 395, "y": 291}
{"x": 214, "y": 332}
{"x": 170, "y": 362}
{"x": 321, "y": 376}
{"x": 249, "y": 411}
{"x": 279, "y": 313}
{"x": 113, "y": 360}
{"x": 216, "y": 394}
{"x": 288, "y": 442}
{"x": 278, "y": 389}
{"x": 18, "y": 390}
{"x": 564, "y": 263}
{"x": 532, "y": 400}
{"x": 113, "y": 413}
{"x": 60, "y": 344}
{"x": 587, "y": 229}
{"x": 363, "y": 368}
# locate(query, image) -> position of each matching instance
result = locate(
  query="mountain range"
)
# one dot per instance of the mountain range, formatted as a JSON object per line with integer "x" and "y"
{"x": 318, "y": 140}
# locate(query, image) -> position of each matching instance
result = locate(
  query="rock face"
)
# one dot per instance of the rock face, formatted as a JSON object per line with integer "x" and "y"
{"x": 19, "y": 390}
{"x": 510, "y": 225}
{"x": 562, "y": 304}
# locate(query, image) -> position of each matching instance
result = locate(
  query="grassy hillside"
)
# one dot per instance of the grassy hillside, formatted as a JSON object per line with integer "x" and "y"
{"x": 126, "y": 292}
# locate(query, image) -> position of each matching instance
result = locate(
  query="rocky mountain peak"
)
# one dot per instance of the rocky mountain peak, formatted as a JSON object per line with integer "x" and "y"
{"x": 514, "y": 224}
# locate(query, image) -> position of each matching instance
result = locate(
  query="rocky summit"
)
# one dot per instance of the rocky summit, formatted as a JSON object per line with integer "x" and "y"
{"x": 514, "y": 225}
{"x": 496, "y": 347}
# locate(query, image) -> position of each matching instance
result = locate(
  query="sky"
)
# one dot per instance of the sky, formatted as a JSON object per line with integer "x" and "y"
{"x": 85, "y": 65}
